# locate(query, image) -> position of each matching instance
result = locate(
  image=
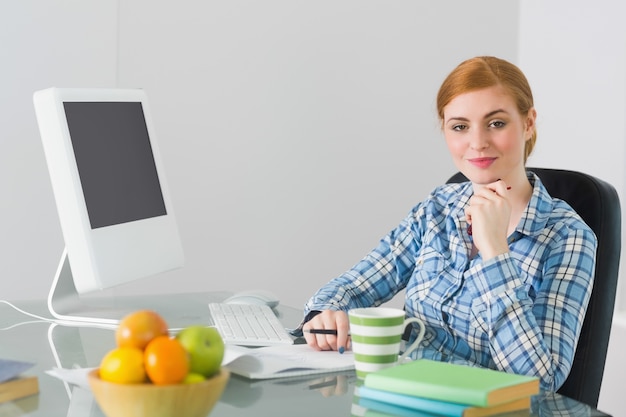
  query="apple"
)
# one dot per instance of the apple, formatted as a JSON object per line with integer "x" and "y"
{"x": 205, "y": 347}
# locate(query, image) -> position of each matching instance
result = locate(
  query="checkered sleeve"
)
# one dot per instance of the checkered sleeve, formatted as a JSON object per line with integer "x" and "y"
{"x": 533, "y": 327}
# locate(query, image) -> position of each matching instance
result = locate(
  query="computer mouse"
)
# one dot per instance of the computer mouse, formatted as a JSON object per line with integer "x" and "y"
{"x": 254, "y": 297}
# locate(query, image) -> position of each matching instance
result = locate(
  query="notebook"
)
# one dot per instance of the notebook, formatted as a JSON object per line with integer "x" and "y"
{"x": 452, "y": 382}
{"x": 409, "y": 405}
{"x": 13, "y": 384}
{"x": 283, "y": 361}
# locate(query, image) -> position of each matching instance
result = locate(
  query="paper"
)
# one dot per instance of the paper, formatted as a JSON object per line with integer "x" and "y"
{"x": 284, "y": 361}
{"x": 74, "y": 376}
{"x": 10, "y": 369}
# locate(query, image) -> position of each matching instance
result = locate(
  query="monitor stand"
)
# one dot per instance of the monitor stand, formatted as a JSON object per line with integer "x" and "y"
{"x": 179, "y": 310}
{"x": 65, "y": 304}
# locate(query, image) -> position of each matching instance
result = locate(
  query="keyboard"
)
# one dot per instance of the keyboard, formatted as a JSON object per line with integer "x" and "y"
{"x": 249, "y": 325}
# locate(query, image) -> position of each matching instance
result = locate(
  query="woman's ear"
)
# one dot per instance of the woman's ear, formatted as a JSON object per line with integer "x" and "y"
{"x": 531, "y": 123}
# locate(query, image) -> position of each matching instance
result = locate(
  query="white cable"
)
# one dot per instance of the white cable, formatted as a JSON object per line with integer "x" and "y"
{"x": 21, "y": 324}
{"x": 41, "y": 319}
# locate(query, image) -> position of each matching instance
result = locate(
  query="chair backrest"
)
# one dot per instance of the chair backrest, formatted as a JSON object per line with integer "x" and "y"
{"x": 597, "y": 202}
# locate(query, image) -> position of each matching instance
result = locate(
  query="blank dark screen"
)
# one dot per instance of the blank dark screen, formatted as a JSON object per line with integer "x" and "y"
{"x": 115, "y": 162}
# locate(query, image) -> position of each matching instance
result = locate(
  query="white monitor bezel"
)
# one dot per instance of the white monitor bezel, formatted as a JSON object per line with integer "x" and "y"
{"x": 114, "y": 255}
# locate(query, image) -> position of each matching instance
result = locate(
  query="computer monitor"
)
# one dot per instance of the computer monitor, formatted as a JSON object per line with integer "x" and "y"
{"x": 109, "y": 185}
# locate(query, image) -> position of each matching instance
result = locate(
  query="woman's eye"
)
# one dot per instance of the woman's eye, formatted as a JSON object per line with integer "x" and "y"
{"x": 497, "y": 124}
{"x": 459, "y": 128}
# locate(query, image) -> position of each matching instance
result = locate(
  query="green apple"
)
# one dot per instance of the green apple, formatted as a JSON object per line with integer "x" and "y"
{"x": 205, "y": 347}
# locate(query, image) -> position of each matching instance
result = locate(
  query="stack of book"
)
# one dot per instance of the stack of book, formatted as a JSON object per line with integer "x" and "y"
{"x": 13, "y": 385}
{"x": 424, "y": 388}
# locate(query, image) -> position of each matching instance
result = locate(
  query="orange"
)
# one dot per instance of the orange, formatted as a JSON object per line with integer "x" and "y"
{"x": 123, "y": 365}
{"x": 137, "y": 329}
{"x": 166, "y": 361}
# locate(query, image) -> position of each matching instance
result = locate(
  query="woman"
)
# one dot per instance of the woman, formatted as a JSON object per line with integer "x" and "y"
{"x": 500, "y": 272}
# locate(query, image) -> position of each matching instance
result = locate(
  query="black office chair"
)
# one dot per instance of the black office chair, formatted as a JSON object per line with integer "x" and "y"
{"x": 597, "y": 203}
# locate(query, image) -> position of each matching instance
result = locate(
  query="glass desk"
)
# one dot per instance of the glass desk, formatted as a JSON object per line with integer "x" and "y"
{"x": 50, "y": 345}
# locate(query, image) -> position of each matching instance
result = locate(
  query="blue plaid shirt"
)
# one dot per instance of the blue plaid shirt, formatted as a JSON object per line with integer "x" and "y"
{"x": 519, "y": 312}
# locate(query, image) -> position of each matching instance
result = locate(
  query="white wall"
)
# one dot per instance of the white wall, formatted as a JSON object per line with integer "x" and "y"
{"x": 574, "y": 54}
{"x": 294, "y": 133}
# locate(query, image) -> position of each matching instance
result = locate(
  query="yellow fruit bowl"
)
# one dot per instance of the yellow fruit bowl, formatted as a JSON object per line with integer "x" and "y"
{"x": 149, "y": 400}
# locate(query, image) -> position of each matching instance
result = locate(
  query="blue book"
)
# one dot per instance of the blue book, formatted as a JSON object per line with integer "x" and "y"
{"x": 381, "y": 409}
{"x": 409, "y": 405}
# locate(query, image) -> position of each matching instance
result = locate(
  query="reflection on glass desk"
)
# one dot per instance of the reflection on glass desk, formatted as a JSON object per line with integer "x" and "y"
{"x": 49, "y": 346}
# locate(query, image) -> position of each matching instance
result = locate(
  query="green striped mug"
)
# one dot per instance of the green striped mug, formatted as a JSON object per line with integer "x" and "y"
{"x": 376, "y": 334}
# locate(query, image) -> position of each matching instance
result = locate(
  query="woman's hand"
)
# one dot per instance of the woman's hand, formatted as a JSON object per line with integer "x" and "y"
{"x": 489, "y": 213}
{"x": 328, "y": 320}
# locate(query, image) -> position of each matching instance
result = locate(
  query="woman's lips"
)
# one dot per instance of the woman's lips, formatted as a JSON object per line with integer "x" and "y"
{"x": 481, "y": 162}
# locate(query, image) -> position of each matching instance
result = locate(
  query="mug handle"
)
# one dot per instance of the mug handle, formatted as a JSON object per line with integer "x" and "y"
{"x": 417, "y": 341}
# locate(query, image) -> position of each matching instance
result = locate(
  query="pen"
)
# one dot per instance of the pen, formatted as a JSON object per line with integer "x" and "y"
{"x": 325, "y": 331}
{"x": 320, "y": 331}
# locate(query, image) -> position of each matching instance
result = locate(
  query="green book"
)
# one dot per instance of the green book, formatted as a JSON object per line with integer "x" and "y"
{"x": 453, "y": 383}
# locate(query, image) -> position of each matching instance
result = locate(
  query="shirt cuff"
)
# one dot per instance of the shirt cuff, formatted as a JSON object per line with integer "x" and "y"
{"x": 297, "y": 332}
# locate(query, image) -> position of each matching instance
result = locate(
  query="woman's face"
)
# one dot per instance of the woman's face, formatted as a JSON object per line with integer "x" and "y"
{"x": 486, "y": 135}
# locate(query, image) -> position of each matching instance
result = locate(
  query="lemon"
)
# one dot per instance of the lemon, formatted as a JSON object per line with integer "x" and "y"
{"x": 123, "y": 365}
